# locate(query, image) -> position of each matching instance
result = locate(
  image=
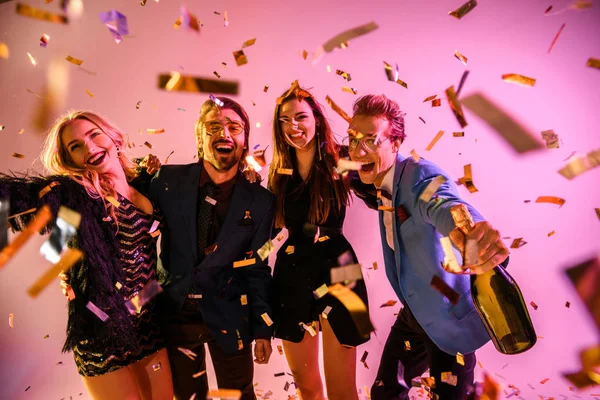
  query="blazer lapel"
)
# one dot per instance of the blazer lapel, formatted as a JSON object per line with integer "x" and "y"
{"x": 241, "y": 197}
{"x": 188, "y": 190}
{"x": 396, "y": 195}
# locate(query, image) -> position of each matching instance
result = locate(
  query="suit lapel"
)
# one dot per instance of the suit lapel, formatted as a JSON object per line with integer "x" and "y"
{"x": 241, "y": 197}
{"x": 188, "y": 190}
{"x": 396, "y": 196}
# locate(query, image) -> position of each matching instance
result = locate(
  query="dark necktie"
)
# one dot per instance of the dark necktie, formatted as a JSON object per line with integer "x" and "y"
{"x": 205, "y": 218}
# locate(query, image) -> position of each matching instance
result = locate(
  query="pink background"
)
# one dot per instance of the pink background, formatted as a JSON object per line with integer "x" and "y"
{"x": 498, "y": 37}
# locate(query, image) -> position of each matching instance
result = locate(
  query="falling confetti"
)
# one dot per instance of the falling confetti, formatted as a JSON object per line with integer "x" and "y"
{"x": 32, "y": 59}
{"x": 464, "y": 9}
{"x": 556, "y": 38}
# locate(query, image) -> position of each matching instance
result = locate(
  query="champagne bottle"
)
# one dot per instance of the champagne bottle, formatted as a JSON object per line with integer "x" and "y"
{"x": 498, "y": 300}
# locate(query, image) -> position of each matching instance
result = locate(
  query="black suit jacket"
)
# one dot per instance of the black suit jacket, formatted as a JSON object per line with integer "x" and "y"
{"x": 175, "y": 190}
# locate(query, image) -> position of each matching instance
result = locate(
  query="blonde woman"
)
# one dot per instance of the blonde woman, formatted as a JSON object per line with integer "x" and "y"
{"x": 122, "y": 357}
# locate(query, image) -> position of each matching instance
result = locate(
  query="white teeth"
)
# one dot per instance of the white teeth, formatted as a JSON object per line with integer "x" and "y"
{"x": 95, "y": 158}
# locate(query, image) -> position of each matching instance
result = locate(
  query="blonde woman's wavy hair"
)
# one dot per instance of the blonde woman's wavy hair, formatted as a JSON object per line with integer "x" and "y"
{"x": 57, "y": 160}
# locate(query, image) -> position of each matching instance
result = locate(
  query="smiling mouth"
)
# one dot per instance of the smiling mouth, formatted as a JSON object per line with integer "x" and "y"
{"x": 96, "y": 159}
{"x": 224, "y": 148}
{"x": 296, "y": 135}
{"x": 368, "y": 167}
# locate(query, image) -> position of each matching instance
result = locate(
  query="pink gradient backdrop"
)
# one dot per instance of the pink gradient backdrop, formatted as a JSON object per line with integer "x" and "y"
{"x": 498, "y": 37}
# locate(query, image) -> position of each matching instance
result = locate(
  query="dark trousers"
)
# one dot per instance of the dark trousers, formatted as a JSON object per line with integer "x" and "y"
{"x": 399, "y": 365}
{"x": 187, "y": 330}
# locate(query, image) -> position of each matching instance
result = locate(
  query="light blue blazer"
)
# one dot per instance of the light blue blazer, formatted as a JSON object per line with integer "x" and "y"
{"x": 419, "y": 254}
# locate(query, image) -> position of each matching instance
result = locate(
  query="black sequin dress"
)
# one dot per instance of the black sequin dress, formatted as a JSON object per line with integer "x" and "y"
{"x": 138, "y": 259}
{"x": 298, "y": 274}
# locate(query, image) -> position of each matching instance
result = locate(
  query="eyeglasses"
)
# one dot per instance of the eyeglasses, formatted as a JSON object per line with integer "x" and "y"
{"x": 369, "y": 143}
{"x": 216, "y": 127}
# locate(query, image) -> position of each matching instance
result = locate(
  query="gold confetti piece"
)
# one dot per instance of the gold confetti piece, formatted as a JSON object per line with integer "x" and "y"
{"x": 326, "y": 312}
{"x": 579, "y": 165}
{"x": 320, "y": 291}
{"x": 265, "y": 250}
{"x": 421, "y": 118}
{"x": 113, "y": 201}
{"x": 248, "y": 43}
{"x": 434, "y": 141}
{"x": 375, "y": 266}
{"x": 290, "y": 250}
{"x": 363, "y": 359}
{"x": 346, "y": 273}
{"x": 568, "y": 304}
{"x": 305, "y": 55}
{"x": 518, "y": 243}
{"x": 4, "y": 53}
{"x": 89, "y": 93}
{"x": 36, "y": 13}
{"x": 199, "y": 374}
{"x": 244, "y": 300}
{"x": 156, "y": 367}
{"x": 118, "y": 285}
{"x": 267, "y": 319}
{"x": 216, "y": 74}
{"x": 511, "y": 131}
{"x": 192, "y": 356}
{"x": 44, "y": 40}
{"x": 224, "y": 394}
{"x": 456, "y": 106}
{"x": 458, "y": 134}
{"x": 148, "y": 145}
{"x": 21, "y": 131}
{"x": 323, "y": 239}
{"x": 551, "y": 199}
{"x": 464, "y": 9}
{"x": 389, "y": 303}
{"x": 551, "y": 139}
{"x": 258, "y": 124}
{"x": 182, "y": 83}
{"x": 338, "y": 109}
{"x": 47, "y": 189}
{"x": 436, "y": 103}
{"x": 240, "y": 57}
{"x": 155, "y": 131}
{"x": 430, "y": 98}
{"x": 2, "y": 127}
{"x": 225, "y": 19}
{"x": 519, "y": 79}
{"x": 386, "y": 208}
{"x": 280, "y": 349}
{"x": 285, "y": 171}
{"x": 460, "y": 57}
{"x": 244, "y": 263}
{"x": 535, "y": 306}
{"x": 431, "y": 188}
{"x": 450, "y": 379}
{"x": 341, "y": 39}
{"x": 414, "y": 155}
{"x": 582, "y": 379}
{"x": 10, "y": 320}
{"x": 551, "y": 233}
{"x": 67, "y": 260}
{"x": 349, "y": 90}
{"x": 18, "y": 155}
{"x": 74, "y": 60}
{"x": 597, "y": 212}
{"x": 328, "y": 68}
{"x": 556, "y": 37}
{"x": 406, "y": 345}
{"x": 343, "y": 74}
{"x": 32, "y": 59}
{"x": 544, "y": 380}
{"x": 356, "y": 307}
{"x": 548, "y": 10}
{"x": 591, "y": 62}
{"x": 393, "y": 74}
{"x": 467, "y": 180}
{"x": 450, "y": 263}
{"x": 460, "y": 359}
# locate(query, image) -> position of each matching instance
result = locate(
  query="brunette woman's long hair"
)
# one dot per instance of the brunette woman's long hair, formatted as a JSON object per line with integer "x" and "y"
{"x": 328, "y": 192}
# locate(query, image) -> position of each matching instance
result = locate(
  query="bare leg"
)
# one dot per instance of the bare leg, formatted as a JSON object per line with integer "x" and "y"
{"x": 340, "y": 366}
{"x": 119, "y": 384}
{"x": 153, "y": 376}
{"x": 303, "y": 360}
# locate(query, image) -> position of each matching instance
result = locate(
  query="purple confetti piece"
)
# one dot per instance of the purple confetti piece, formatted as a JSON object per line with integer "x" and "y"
{"x": 257, "y": 146}
{"x": 119, "y": 19}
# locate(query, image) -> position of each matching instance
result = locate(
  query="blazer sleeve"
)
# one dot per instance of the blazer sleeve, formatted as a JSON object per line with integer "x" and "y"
{"x": 258, "y": 277}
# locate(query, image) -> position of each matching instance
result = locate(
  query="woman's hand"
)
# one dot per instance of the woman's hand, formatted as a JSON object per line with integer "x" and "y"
{"x": 151, "y": 163}
{"x": 252, "y": 175}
